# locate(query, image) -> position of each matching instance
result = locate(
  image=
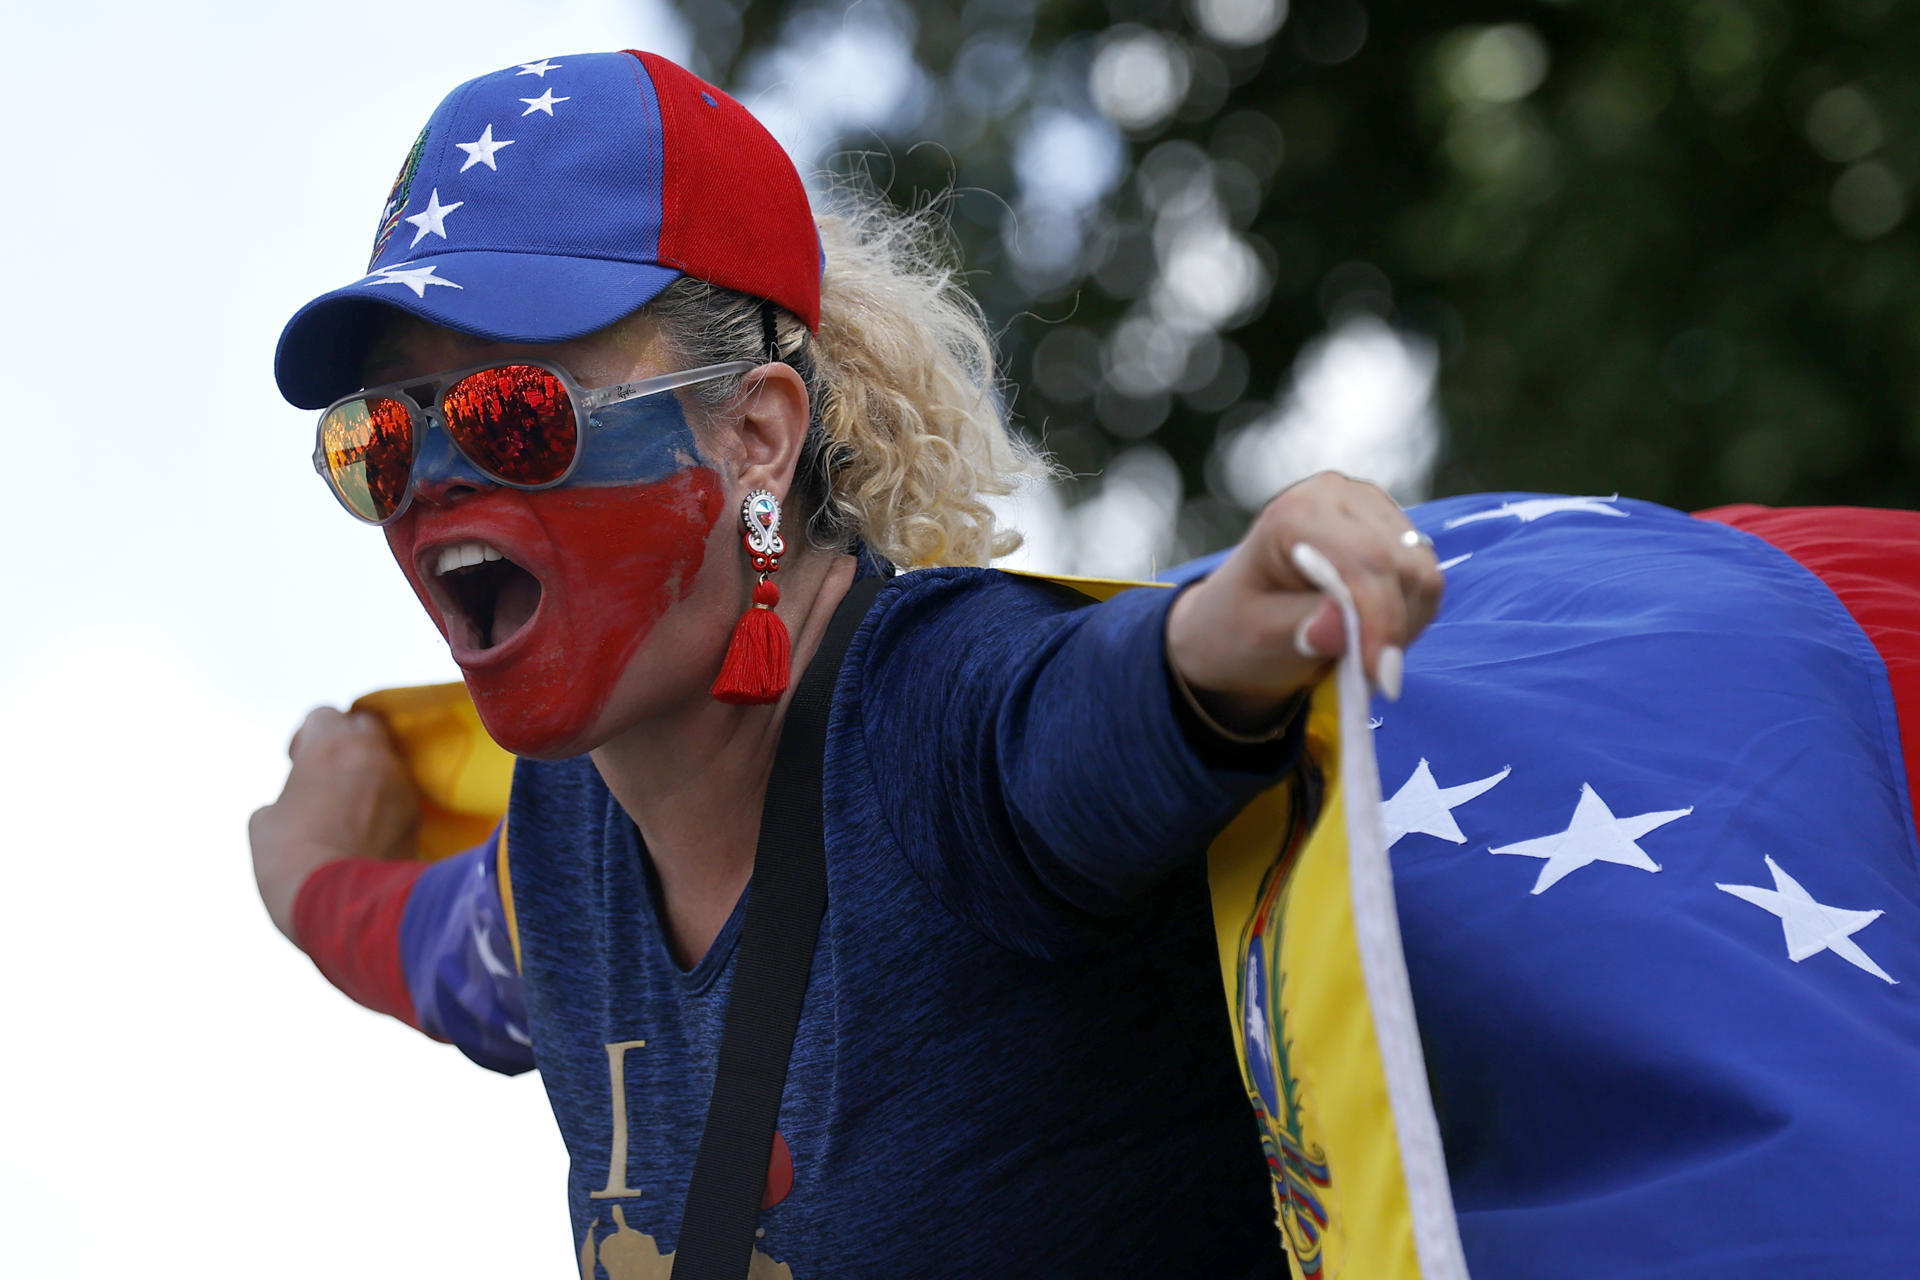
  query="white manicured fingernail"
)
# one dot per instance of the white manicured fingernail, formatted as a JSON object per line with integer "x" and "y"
{"x": 1318, "y": 569}
{"x": 1392, "y": 669}
{"x": 1302, "y": 645}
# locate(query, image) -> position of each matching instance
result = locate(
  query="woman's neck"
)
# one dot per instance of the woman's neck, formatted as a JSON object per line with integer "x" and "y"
{"x": 693, "y": 781}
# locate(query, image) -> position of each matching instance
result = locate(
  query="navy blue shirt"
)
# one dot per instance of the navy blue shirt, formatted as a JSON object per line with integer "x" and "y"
{"x": 1013, "y": 1057}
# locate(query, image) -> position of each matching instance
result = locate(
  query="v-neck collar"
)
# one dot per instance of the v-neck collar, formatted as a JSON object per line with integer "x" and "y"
{"x": 625, "y": 844}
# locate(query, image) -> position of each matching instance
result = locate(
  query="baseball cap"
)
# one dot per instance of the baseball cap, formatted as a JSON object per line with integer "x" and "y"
{"x": 552, "y": 198}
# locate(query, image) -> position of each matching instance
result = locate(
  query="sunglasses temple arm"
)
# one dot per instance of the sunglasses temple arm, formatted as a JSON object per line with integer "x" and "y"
{"x": 601, "y": 397}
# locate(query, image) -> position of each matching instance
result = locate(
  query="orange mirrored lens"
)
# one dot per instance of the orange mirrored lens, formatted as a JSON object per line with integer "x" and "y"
{"x": 515, "y": 421}
{"x": 368, "y": 445}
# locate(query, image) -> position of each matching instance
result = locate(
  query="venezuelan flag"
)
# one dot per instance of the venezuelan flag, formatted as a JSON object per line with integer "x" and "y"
{"x": 1656, "y": 878}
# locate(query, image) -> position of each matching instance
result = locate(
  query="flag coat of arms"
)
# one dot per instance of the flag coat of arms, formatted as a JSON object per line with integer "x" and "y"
{"x": 1323, "y": 1017}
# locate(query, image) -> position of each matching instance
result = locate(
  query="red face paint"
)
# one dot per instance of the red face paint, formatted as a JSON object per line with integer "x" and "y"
{"x": 610, "y": 562}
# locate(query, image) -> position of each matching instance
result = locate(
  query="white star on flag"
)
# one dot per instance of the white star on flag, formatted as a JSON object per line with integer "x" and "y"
{"x": 488, "y": 961}
{"x": 542, "y": 103}
{"x": 1530, "y": 509}
{"x": 416, "y": 279}
{"x": 1811, "y": 927}
{"x": 1445, "y": 565}
{"x": 1422, "y": 805}
{"x": 539, "y": 68}
{"x": 432, "y": 220}
{"x": 1594, "y": 835}
{"x": 481, "y": 151}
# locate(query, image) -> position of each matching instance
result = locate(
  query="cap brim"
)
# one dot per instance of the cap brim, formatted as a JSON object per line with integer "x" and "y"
{"x": 503, "y": 297}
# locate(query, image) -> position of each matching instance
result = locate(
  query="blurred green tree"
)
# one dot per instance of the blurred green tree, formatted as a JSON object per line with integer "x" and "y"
{"x": 1663, "y": 249}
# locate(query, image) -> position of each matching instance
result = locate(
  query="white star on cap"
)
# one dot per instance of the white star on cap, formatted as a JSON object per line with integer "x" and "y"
{"x": 539, "y": 68}
{"x": 1531, "y": 509}
{"x": 1424, "y": 806}
{"x": 416, "y": 279}
{"x": 481, "y": 152}
{"x": 1594, "y": 835}
{"x": 1811, "y": 927}
{"x": 432, "y": 220}
{"x": 542, "y": 103}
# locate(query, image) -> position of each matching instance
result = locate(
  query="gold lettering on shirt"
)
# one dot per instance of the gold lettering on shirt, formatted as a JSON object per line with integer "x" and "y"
{"x": 617, "y": 1159}
{"x": 627, "y": 1254}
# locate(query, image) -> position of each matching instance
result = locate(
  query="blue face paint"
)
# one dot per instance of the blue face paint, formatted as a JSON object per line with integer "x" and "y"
{"x": 637, "y": 442}
{"x": 438, "y": 463}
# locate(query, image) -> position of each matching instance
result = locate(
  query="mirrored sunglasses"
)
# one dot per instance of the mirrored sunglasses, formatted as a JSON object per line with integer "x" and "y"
{"x": 522, "y": 425}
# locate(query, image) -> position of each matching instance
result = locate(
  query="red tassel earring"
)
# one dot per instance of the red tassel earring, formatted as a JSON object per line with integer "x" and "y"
{"x": 759, "y": 658}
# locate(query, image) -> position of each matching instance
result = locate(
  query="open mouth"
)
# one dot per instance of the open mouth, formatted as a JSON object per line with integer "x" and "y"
{"x": 486, "y": 598}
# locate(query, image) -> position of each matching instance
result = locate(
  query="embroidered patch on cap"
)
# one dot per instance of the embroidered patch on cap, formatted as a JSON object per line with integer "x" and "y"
{"x": 397, "y": 198}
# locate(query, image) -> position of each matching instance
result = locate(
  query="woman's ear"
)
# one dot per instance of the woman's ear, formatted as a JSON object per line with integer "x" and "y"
{"x": 772, "y": 430}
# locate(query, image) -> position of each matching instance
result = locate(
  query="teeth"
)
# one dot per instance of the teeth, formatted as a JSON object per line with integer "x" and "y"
{"x": 464, "y": 555}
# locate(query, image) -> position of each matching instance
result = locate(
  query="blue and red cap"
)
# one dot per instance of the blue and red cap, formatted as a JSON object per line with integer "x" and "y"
{"x": 548, "y": 200}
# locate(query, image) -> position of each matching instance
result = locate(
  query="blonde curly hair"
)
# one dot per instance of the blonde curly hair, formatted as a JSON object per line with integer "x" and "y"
{"x": 909, "y": 435}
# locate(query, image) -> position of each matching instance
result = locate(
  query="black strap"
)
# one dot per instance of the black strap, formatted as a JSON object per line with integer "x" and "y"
{"x": 785, "y": 901}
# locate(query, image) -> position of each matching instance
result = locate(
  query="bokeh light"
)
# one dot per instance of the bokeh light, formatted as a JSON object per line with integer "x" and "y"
{"x": 1240, "y": 22}
{"x": 1139, "y": 76}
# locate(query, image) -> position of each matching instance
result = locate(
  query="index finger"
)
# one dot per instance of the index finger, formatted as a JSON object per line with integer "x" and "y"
{"x": 320, "y": 721}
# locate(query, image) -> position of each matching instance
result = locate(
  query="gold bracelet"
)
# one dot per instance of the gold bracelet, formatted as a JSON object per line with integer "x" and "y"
{"x": 1233, "y": 735}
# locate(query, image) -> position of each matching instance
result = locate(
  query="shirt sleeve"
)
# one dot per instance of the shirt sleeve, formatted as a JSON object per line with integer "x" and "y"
{"x": 456, "y": 950}
{"x": 1032, "y": 754}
